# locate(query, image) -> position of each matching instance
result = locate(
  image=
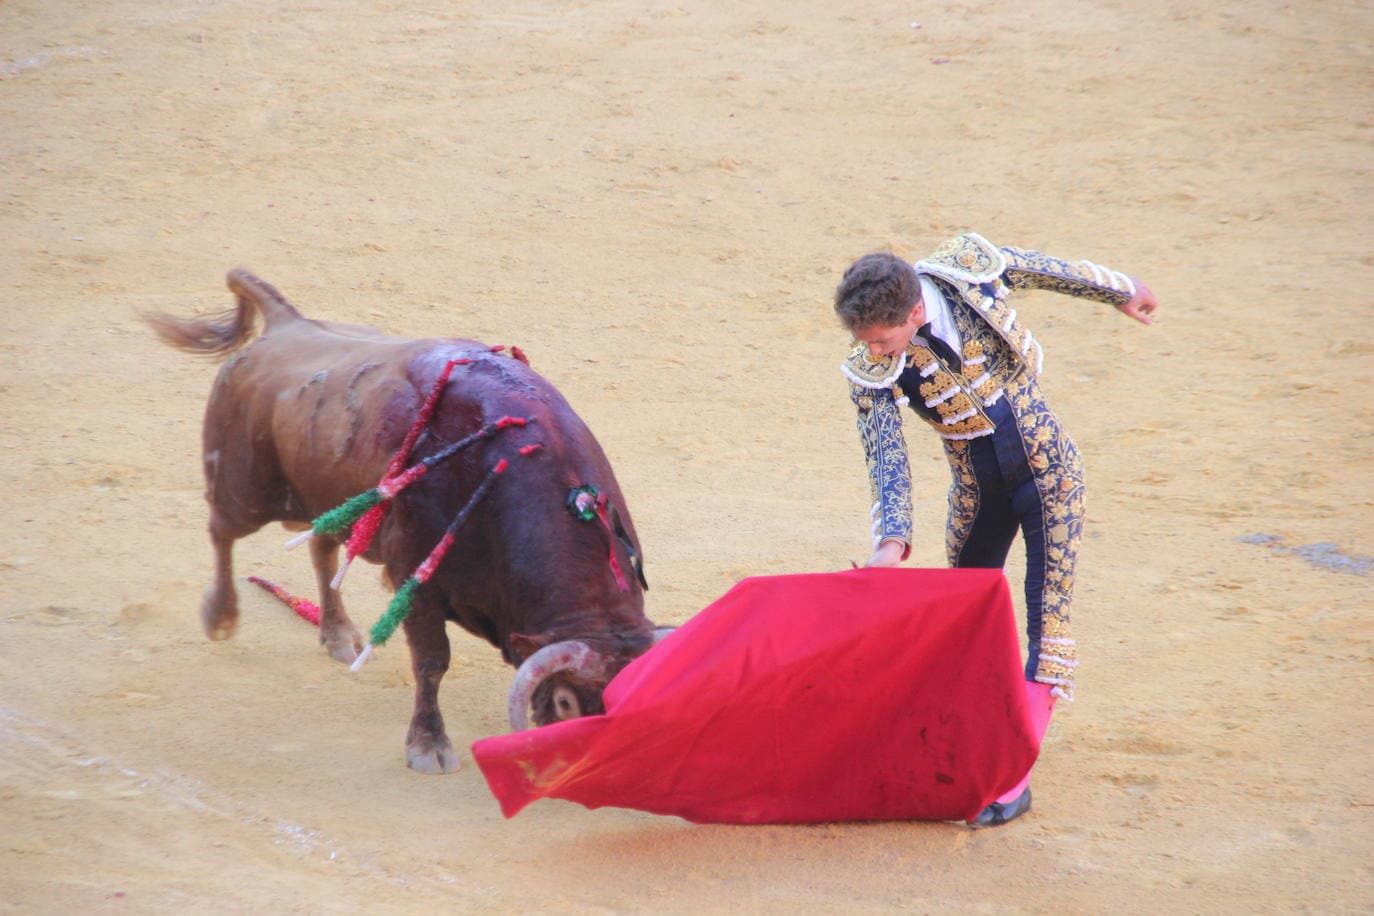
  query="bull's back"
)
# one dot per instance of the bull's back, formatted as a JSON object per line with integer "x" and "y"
{"x": 315, "y": 412}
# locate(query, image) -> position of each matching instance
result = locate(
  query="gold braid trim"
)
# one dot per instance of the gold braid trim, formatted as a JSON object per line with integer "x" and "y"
{"x": 957, "y": 406}
{"x": 1056, "y": 642}
{"x": 974, "y": 426}
{"x": 939, "y": 389}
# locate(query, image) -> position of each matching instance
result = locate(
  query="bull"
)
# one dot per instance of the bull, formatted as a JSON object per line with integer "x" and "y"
{"x": 310, "y": 413}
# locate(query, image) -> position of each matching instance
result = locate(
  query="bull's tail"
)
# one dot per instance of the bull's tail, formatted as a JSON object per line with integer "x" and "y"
{"x": 223, "y": 333}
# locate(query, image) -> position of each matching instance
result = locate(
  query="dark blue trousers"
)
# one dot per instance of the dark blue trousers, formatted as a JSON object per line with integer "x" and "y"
{"x": 1002, "y": 497}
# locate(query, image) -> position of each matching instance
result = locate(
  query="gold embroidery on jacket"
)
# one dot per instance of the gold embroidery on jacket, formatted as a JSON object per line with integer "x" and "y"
{"x": 862, "y": 370}
{"x": 946, "y": 391}
{"x": 977, "y": 425}
{"x": 967, "y": 258}
{"x": 940, "y": 388}
{"x": 889, "y": 471}
{"x": 959, "y": 407}
{"x": 1033, "y": 270}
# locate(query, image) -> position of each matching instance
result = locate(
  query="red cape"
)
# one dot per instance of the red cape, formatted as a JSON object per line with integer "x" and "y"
{"x": 875, "y": 694}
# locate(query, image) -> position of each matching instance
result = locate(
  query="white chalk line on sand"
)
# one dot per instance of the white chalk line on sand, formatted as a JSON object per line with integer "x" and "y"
{"x": 26, "y": 733}
{"x": 9, "y": 69}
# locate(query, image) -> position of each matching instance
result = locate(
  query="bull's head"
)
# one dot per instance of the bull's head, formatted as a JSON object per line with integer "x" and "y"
{"x": 565, "y": 680}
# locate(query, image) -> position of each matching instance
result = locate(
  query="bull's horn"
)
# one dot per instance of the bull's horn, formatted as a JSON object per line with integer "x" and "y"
{"x": 561, "y": 656}
{"x": 662, "y": 633}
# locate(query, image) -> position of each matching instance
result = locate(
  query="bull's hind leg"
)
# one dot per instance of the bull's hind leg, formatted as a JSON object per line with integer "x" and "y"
{"x": 241, "y": 487}
{"x": 428, "y": 749}
{"x": 340, "y": 637}
{"x": 219, "y": 609}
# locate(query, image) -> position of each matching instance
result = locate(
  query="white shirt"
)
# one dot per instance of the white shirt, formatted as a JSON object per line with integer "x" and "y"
{"x": 938, "y": 314}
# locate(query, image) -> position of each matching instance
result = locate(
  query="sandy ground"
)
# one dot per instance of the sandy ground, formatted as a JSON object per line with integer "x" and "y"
{"x": 655, "y": 201}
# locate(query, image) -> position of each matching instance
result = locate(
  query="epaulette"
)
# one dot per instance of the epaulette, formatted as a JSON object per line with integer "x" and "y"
{"x": 967, "y": 258}
{"x": 866, "y": 372}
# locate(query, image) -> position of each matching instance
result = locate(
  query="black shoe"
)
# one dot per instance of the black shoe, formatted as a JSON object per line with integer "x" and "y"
{"x": 997, "y": 814}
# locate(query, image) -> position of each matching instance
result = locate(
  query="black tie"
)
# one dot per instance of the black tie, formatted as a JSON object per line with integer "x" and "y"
{"x": 942, "y": 349}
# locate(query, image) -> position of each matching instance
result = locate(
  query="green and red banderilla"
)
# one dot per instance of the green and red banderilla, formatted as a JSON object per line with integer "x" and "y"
{"x": 404, "y": 599}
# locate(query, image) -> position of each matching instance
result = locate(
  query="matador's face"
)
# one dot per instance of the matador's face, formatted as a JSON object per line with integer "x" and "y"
{"x": 884, "y": 341}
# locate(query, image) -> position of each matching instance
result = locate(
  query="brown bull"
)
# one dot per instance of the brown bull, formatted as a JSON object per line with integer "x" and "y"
{"x": 311, "y": 413}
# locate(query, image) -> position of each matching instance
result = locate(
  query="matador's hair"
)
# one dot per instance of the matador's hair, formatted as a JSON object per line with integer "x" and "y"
{"x": 878, "y": 290}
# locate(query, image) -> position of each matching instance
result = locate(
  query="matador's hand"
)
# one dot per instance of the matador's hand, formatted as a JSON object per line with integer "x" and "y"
{"x": 889, "y": 553}
{"x": 1142, "y": 305}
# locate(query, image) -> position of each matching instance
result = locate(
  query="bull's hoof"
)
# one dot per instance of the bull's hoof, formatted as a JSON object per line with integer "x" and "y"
{"x": 219, "y": 620}
{"x": 343, "y": 643}
{"x": 432, "y": 757}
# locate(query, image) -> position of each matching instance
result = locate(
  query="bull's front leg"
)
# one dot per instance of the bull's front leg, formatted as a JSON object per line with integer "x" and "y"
{"x": 338, "y": 634}
{"x": 428, "y": 749}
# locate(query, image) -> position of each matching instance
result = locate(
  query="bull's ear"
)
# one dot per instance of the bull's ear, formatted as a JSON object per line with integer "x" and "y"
{"x": 522, "y": 646}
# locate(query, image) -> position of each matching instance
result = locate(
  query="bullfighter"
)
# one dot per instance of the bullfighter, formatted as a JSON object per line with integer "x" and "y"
{"x": 941, "y": 337}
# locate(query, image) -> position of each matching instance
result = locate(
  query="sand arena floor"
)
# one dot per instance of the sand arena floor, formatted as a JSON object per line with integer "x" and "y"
{"x": 655, "y": 201}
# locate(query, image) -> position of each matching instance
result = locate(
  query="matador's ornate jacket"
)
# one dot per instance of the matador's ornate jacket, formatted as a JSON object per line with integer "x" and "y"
{"x": 988, "y": 390}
